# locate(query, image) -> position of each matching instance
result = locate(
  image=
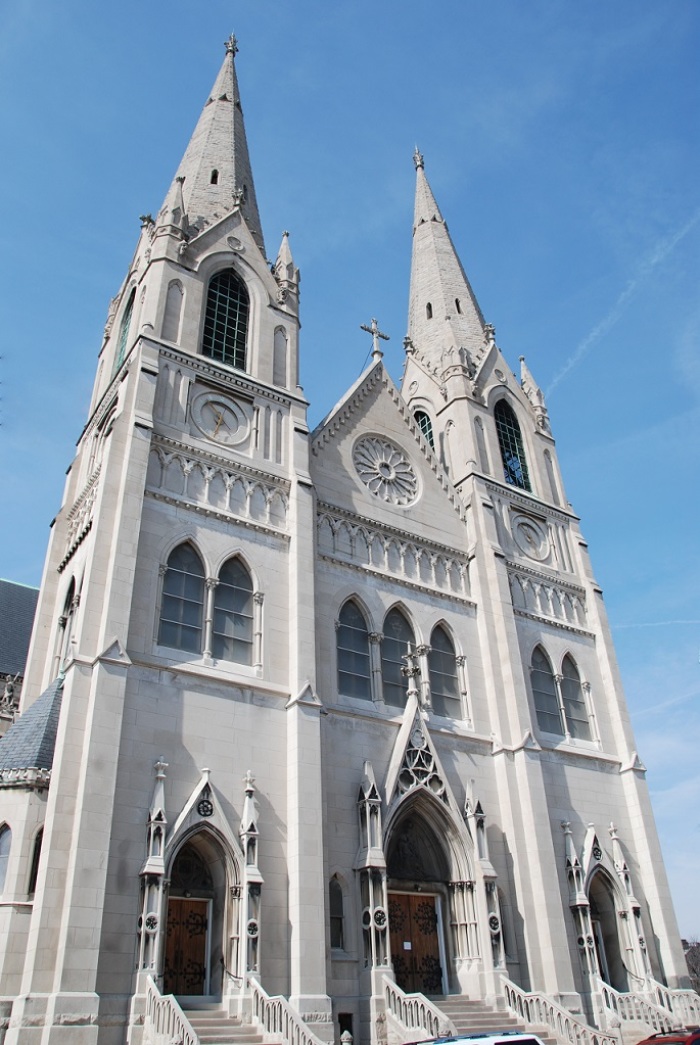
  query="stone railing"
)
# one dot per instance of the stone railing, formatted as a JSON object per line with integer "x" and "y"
{"x": 413, "y": 1015}
{"x": 637, "y": 1006}
{"x": 164, "y": 1022}
{"x": 543, "y": 1011}
{"x": 278, "y": 1019}
{"x": 684, "y": 1004}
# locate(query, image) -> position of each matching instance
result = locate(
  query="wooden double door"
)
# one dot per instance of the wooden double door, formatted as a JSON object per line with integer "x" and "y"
{"x": 186, "y": 946}
{"x": 413, "y": 937}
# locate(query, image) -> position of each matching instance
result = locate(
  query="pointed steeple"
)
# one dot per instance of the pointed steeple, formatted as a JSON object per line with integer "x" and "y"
{"x": 443, "y": 313}
{"x": 216, "y": 166}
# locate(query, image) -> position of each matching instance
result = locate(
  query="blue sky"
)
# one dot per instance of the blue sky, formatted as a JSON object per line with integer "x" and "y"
{"x": 562, "y": 142}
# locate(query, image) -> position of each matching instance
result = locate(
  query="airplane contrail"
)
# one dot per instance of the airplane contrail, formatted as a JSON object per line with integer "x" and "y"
{"x": 660, "y": 252}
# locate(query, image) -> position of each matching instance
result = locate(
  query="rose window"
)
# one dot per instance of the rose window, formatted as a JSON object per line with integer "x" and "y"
{"x": 385, "y": 470}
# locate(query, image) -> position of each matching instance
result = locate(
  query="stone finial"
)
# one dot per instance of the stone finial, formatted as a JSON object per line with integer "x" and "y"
{"x": 418, "y": 159}
{"x": 231, "y": 45}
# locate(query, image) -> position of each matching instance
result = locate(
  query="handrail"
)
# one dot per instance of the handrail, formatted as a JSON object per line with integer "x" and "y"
{"x": 683, "y": 1002}
{"x": 540, "y": 1009}
{"x": 164, "y": 1022}
{"x": 276, "y": 1016}
{"x": 415, "y": 1013}
{"x": 634, "y": 1005}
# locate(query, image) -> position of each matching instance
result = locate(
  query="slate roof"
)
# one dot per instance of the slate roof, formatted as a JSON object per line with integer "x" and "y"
{"x": 17, "y": 609}
{"x": 30, "y": 741}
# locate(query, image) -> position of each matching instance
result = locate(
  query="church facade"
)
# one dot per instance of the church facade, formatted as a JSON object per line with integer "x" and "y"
{"x": 332, "y": 710}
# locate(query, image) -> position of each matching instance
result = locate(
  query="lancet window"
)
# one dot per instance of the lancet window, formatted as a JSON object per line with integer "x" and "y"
{"x": 398, "y": 637}
{"x": 337, "y": 918}
{"x": 226, "y": 320}
{"x": 182, "y": 608}
{"x": 560, "y": 705}
{"x": 233, "y": 614}
{"x": 34, "y": 869}
{"x": 510, "y": 442}
{"x": 444, "y": 682}
{"x": 5, "y": 843}
{"x": 124, "y": 330}
{"x": 426, "y": 426}
{"x": 352, "y": 644}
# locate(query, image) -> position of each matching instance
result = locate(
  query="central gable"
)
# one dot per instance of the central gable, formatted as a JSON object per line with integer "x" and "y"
{"x": 369, "y": 460}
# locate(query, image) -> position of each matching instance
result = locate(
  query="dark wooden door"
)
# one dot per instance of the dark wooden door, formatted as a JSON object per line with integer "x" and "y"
{"x": 413, "y": 935}
{"x": 186, "y": 947}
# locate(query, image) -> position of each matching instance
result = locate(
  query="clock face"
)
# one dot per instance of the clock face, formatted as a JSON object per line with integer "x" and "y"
{"x": 219, "y": 418}
{"x": 530, "y": 537}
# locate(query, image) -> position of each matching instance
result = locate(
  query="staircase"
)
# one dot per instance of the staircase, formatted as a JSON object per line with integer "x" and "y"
{"x": 213, "y": 1026}
{"x": 475, "y": 1017}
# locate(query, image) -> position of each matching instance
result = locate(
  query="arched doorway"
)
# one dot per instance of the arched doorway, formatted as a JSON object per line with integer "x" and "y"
{"x": 418, "y": 875}
{"x": 194, "y": 941}
{"x": 606, "y": 935}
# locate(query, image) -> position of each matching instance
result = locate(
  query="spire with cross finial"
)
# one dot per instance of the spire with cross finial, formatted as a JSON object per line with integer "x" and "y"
{"x": 376, "y": 333}
{"x": 215, "y": 172}
{"x": 443, "y": 311}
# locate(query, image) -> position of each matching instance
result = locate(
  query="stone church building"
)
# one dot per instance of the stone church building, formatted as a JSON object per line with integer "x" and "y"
{"x": 322, "y": 727}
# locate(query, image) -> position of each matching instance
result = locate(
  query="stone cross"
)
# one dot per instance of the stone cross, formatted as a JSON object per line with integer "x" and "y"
{"x": 376, "y": 333}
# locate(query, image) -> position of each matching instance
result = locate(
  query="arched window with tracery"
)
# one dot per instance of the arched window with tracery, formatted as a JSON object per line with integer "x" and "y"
{"x": 182, "y": 607}
{"x": 544, "y": 692}
{"x": 398, "y": 638}
{"x": 510, "y": 442}
{"x": 226, "y": 320}
{"x": 442, "y": 667}
{"x": 232, "y": 637}
{"x": 5, "y": 843}
{"x": 352, "y": 644}
{"x": 573, "y": 701}
{"x": 426, "y": 426}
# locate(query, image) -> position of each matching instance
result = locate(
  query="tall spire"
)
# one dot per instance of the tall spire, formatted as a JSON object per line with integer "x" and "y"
{"x": 216, "y": 165}
{"x": 443, "y": 312}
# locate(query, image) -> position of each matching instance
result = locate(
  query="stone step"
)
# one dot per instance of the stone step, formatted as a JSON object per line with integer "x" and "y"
{"x": 216, "y": 1027}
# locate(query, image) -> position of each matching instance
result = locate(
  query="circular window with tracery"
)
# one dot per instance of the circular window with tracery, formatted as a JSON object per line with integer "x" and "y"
{"x": 385, "y": 470}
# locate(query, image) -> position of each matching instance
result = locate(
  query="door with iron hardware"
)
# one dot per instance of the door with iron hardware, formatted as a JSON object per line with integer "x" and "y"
{"x": 185, "y": 969}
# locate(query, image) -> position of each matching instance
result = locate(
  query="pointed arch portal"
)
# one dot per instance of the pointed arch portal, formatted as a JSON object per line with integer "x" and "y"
{"x": 605, "y": 927}
{"x": 194, "y": 941}
{"x": 426, "y": 868}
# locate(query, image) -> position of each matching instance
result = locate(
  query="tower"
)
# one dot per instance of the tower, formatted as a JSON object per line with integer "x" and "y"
{"x": 335, "y": 714}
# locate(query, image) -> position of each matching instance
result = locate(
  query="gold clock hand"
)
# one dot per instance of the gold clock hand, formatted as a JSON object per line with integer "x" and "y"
{"x": 219, "y": 419}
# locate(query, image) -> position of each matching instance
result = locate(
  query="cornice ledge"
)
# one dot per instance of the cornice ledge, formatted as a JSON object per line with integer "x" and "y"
{"x": 531, "y": 502}
{"x": 463, "y": 600}
{"x": 213, "y": 513}
{"x": 230, "y": 466}
{"x": 306, "y": 697}
{"x": 562, "y": 625}
{"x": 633, "y": 765}
{"x": 516, "y": 567}
{"x": 224, "y": 378}
{"x": 322, "y": 507}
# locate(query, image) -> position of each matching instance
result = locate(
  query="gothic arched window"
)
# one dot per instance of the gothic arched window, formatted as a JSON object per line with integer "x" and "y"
{"x": 124, "y": 330}
{"x": 182, "y": 608}
{"x": 426, "y": 426}
{"x": 510, "y": 442}
{"x": 442, "y": 667}
{"x": 335, "y": 907}
{"x": 232, "y": 636}
{"x": 226, "y": 320}
{"x": 352, "y": 644}
{"x": 5, "y": 842}
{"x": 575, "y": 713}
{"x": 544, "y": 692}
{"x": 398, "y": 637}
